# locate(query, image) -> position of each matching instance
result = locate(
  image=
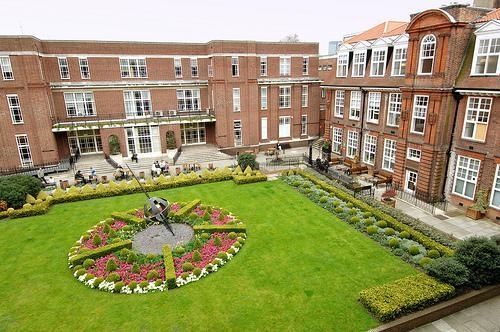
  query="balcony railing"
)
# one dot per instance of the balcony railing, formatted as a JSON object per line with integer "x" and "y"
{"x": 117, "y": 119}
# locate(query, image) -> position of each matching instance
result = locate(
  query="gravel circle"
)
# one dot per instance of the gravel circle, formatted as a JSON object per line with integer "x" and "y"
{"x": 152, "y": 239}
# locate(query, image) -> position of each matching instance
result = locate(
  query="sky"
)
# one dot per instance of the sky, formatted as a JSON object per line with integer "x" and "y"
{"x": 201, "y": 21}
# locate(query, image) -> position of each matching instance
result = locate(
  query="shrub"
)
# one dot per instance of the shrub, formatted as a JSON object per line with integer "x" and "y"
{"x": 13, "y": 189}
{"x": 111, "y": 265}
{"x": 448, "y": 270}
{"x": 187, "y": 266}
{"x": 118, "y": 286}
{"x": 96, "y": 240}
{"x": 371, "y": 229}
{"x": 404, "y": 235}
{"x": 381, "y": 224}
{"x": 197, "y": 271}
{"x": 106, "y": 229}
{"x": 153, "y": 274}
{"x": 231, "y": 251}
{"x": 482, "y": 257}
{"x": 232, "y": 235}
{"x": 132, "y": 257}
{"x": 413, "y": 250}
{"x": 389, "y": 231}
{"x": 88, "y": 263}
{"x": 97, "y": 281}
{"x": 222, "y": 255}
{"x": 217, "y": 241}
{"x": 323, "y": 199}
{"x": 424, "y": 261}
{"x": 180, "y": 250}
{"x": 113, "y": 277}
{"x": 132, "y": 285}
{"x": 196, "y": 256}
{"x": 30, "y": 199}
{"x": 184, "y": 275}
{"x": 247, "y": 159}
{"x": 135, "y": 268}
{"x": 433, "y": 253}
{"x": 143, "y": 284}
{"x": 394, "y": 243}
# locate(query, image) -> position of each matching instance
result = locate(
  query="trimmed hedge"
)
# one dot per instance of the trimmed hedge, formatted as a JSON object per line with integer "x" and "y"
{"x": 245, "y": 178}
{"x": 169, "y": 267}
{"x": 184, "y": 211}
{"x": 99, "y": 252}
{"x": 403, "y": 296}
{"x": 129, "y": 218}
{"x": 220, "y": 228}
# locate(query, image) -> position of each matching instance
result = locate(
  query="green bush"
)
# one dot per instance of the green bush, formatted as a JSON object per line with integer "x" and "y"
{"x": 88, "y": 263}
{"x": 13, "y": 189}
{"x": 96, "y": 240}
{"x": 217, "y": 241}
{"x": 371, "y": 229}
{"x": 481, "y": 256}
{"x": 196, "y": 256}
{"x": 144, "y": 284}
{"x": 111, "y": 265}
{"x": 413, "y": 250}
{"x": 433, "y": 253}
{"x": 152, "y": 274}
{"x": 187, "y": 267}
{"x": 222, "y": 255}
{"x": 132, "y": 285}
{"x": 381, "y": 224}
{"x": 118, "y": 286}
{"x": 389, "y": 231}
{"x": 136, "y": 268}
{"x": 180, "y": 250}
{"x": 354, "y": 219}
{"x": 404, "y": 235}
{"x": 448, "y": 270}
{"x": 197, "y": 271}
{"x": 132, "y": 257}
{"x": 247, "y": 159}
{"x": 98, "y": 281}
{"x": 323, "y": 199}
{"x": 113, "y": 277}
{"x": 394, "y": 243}
{"x": 424, "y": 261}
{"x": 232, "y": 235}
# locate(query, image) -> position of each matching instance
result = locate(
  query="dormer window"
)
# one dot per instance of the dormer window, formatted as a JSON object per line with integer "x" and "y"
{"x": 427, "y": 52}
{"x": 487, "y": 56}
{"x": 358, "y": 68}
{"x": 378, "y": 62}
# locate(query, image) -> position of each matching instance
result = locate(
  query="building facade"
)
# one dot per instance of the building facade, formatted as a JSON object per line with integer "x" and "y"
{"x": 417, "y": 99}
{"x": 58, "y": 98}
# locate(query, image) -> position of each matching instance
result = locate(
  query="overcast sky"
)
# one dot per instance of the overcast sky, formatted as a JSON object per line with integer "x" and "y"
{"x": 203, "y": 20}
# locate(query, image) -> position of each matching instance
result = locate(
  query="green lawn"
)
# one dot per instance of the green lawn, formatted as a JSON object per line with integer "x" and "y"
{"x": 301, "y": 269}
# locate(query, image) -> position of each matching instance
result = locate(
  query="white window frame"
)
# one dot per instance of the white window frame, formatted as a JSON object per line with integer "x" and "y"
{"x": 84, "y": 68}
{"x": 370, "y": 149}
{"x": 337, "y": 140}
{"x": 359, "y": 63}
{"x": 394, "y": 109}
{"x": 194, "y": 67}
{"x": 285, "y": 98}
{"x": 323, "y": 93}
{"x": 133, "y": 68}
{"x": 339, "y": 104}
{"x": 24, "y": 150}
{"x": 178, "y": 67}
{"x": 285, "y": 123}
{"x": 237, "y": 133}
{"x": 420, "y": 105}
{"x": 342, "y": 64}
{"x": 305, "y": 65}
{"x": 427, "y": 54}
{"x": 305, "y": 96}
{"x": 263, "y": 66}
{"x": 79, "y": 104}
{"x": 355, "y": 105}
{"x": 413, "y": 154}
{"x": 379, "y": 58}
{"x": 63, "y": 68}
{"x": 6, "y": 68}
{"x": 285, "y": 65}
{"x": 15, "y": 109}
{"x": 352, "y": 143}
{"x": 374, "y": 100}
{"x": 188, "y": 100}
{"x": 466, "y": 174}
{"x": 477, "y": 116}
{"x": 303, "y": 124}
{"x": 235, "y": 66}
{"x": 399, "y": 59}
{"x": 263, "y": 128}
{"x": 389, "y": 156}
{"x": 137, "y": 103}
{"x": 486, "y": 49}
{"x": 236, "y": 100}
{"x": 495, "y": 190}
{"x": 263, "y": 97}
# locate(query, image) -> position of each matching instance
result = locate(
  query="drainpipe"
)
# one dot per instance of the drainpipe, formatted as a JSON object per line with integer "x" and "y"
{"x": 362, "y": 119}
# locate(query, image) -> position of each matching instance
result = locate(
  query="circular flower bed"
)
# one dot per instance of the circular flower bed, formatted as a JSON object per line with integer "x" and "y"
{"x": 104, "y": 258}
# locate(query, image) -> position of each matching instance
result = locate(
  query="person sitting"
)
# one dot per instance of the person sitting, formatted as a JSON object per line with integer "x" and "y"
{"x": 134, "y": 157}
{"x": 119, "y": 174}
{"x": 93, "y": 175}
{"x": 79, "y": 178}
{"x": 155, "y": 169}
{"x": 163, "y": 165}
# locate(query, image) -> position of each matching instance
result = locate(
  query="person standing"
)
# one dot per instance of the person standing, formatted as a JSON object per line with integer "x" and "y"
{"x": 41, "y": 175}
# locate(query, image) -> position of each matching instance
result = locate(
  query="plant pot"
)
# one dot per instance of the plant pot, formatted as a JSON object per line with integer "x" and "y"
{"x": 473, "y": 214}
{"x": 389, "y": 202}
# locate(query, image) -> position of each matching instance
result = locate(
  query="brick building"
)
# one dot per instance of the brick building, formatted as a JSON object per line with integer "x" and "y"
{"x": 397, "y": 96}
{"x": 57, "y": 97}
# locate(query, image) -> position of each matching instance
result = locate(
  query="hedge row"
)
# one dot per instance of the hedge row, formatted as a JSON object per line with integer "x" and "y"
{"x": 185, "y": 210}
{"x": 219, "y": 228}
{"x": 249, "y": 178}
{"x": 129, "y": 217}
{"x": 391, "y": 222}
{"x": 99, "y": 252}
{"x": 169, "y": 267}
{"x": 389, "y": 301}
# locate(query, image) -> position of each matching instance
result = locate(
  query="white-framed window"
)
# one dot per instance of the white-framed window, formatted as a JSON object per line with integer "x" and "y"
{"x": 235, "y": 67}
{"x": 15, "y": 109}
{"x": 427, "y": 52}
{"x": 477, "y": 115}
{"x": 285, "y": 65}
{"x": 143, "y": 139}
{"x": 305, "y": 96}
{"x": 342, "y": 63}
{"x": 188, "y": 100}
{"x": 63, "y": 68}
{"x": 303, "y": 125}
{"x": 133, "y": 68}
{"x": 420, "y": 104}
{"x": 358, "y": 65}
{"x": 370, "y": 149}
{"x": 238, "y": 136}
{"x": 6, "y": 68}
{"x": 236, "y": 100}
{"x": 466, "y": 176}
{"x": 337, "y": 140}
{"x": 137, "y": 103}
{"x": 178, "y": 67}
{"x": 323, "y": 93}
{"x": 355, "y": 105}
{"x": 284, "y": 126}
{"x": 263, "y": 66}
{"x": 263, "y": 128}
{"x": 378, "y": 62}
{"x": 84, "y": 68}
{"x": 23, "y": 147}
{"x": 194, "y": 67}
{"x": 373, "y": 106}
{"x": 389, "y": 157}
{"x": 285, "y": 96}
{"x": 339, "y": 103}
{"x": 394, "y": 110}
{"x": 495, "y": 190}
{"x": 413, "y": 154}
{"x": 352, "y": 143}
{"x": 79, "y": 104}
{"x": 399, "y": 61}
{"x": 487, "y": 56}
{"x": 305, "y": 65}
{"x": 263, "y": 97}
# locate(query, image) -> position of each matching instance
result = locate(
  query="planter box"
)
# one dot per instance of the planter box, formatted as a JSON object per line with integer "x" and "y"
{"x": 391, "y": 203}
{"x": 473, "y": 214}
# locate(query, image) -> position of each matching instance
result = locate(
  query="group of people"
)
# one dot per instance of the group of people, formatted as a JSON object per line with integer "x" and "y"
{"x": 121, "y": 174}
{"x": 159, "y": 168}
{"x": 46, "y": 182}
{"x": 80, "y": 177}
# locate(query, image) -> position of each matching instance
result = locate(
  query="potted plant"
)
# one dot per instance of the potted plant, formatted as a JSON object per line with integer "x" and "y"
{"x": 478, "y": 209}
{"x": 388, "y": 197}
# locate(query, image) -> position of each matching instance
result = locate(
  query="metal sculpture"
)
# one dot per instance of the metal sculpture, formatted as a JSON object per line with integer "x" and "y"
{"x": 156, "y": 209}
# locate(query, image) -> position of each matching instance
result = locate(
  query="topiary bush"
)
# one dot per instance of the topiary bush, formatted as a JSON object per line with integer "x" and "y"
{"x": 371, "y": 229}
{"x": 153, "y": 274}
{"x": 394, "y": 243}
{"x": 448, "y": 270}
{"x": 389, "y": 231}
{"x": 433, "y": 253}
{"x": 187, "y": 266}
{"x": 88, "y": 263}
{"x": 413, "y": 250}
{"x": 247, "y": 159}
{"x": 111, "y": 265}
{"x": 196, "y": 256}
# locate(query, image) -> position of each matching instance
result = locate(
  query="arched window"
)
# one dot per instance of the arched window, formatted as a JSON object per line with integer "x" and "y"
{"x": 427, "y": 52}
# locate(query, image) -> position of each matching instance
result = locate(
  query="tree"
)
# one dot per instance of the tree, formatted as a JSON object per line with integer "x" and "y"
{"x": 247, "y": 159}
{"x": 292, "y": 38}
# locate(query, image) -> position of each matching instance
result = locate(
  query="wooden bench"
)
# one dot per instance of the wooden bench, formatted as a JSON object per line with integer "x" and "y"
{"x": 337, "y": 161}
{"x": 359, "y": 169}
{"x": 382, "y": 177}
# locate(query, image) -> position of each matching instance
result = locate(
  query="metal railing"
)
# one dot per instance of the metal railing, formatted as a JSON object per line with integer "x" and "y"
{"x": 422, "y": 200}
{"x": 62, "y": 166}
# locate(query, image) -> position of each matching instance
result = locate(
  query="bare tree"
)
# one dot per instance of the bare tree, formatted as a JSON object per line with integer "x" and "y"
{"x": 292, "y": 38}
